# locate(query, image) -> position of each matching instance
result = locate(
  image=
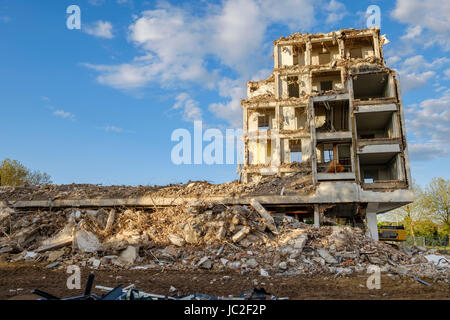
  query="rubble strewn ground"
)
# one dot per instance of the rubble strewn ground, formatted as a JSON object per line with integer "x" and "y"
{"x": 298, "y": 183}
{"x": 204, "y": 236}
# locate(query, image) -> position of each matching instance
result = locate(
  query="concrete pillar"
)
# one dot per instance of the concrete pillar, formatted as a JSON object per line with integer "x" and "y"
{"x": 316, "y": 216}
{"x": 371, "y": 222}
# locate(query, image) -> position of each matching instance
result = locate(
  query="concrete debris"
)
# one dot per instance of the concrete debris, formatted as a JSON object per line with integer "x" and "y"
{"x": 52, "y": 265}
{"x": 94, "y": 262}
{"x": 128, "y": 256}
{"x": 238, "y": 236}
{"x": 86, "y": 241}
{"x": 190, "y": 234}
{"x": 438, "y": 260}
{"x": 326, "y": 256}
{"x": 62, "y": 238}
{"x": 55, "y": 255}
{"x": 192, "y": 189}
{"x": 263, "y": 273}
{"x": 268, "y": 219}
{"x": 170, "y": 238}
{"x": 176, "y": 240}
{"x": 204, "y": 263}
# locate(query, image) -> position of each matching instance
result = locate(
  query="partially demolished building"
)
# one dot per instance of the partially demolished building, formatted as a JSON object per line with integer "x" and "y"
{"x": 333, "y": 107}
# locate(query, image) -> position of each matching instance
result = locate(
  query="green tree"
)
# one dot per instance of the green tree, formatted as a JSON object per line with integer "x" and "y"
{"x": 436, "y": 201}
{"x": 13, "y": 173}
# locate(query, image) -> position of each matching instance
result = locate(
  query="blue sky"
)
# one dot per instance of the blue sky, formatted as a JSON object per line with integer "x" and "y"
{"x": 99, "y": 105}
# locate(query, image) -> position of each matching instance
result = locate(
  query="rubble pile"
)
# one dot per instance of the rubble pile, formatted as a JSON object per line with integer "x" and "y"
{"x": 200, "y": 235}
{"x": 297, "y": 182}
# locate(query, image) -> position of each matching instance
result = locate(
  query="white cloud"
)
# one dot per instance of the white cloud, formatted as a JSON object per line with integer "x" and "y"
{"x": 190, "y": 107}
{"x": 5, "y": 19}
{"x": 96, "y": 2}
{"x": 425, "y": 151}
{"x": 412, "y": 32}
{"x": 64, "y": 114}
{"x": 336, "y": 11}
{"x": 416, "y": 72}
{"x": 177, "y": 45}
{"x": 447, "y": 73}
{"x": 101, "y": 29}
{"x": 230, "y": 111}
{"x": 431, "y": 15}
{"x": 125, "y": 76}
{"x": 113, "y": 129}
{"x": 412, "y": 81}
{"x": 429, "y": 121}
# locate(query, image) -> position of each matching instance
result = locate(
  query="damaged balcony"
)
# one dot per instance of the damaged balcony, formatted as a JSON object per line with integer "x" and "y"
{"x": 327, "y": 82}
{"x": 332, "y": 120}
{"x": 324, "y": 52}
{"x": 334, "y": 161}
{"x": 377, "y": 128}
{"x": 359, "y": 47}
{"x": 382, "y": 170}
{"x": 294, "y": 120}
{"x": 376, "y": 87}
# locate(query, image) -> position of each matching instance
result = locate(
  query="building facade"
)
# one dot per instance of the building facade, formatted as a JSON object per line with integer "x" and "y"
{"x": 333, "y": 109}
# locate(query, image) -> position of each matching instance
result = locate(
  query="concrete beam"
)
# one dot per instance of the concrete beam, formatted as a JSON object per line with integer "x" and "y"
{"x": 342, "y": 135}
{"x": 376, "y": 108}
{"x": 336, "y": 176}
{"x": 331, "y": 97}
{"x": 379, "y": 148}
{"x": 326, "y": 192}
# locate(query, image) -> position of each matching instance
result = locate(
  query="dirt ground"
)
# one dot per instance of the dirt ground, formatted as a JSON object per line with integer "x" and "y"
{"x": 17, "y": 281}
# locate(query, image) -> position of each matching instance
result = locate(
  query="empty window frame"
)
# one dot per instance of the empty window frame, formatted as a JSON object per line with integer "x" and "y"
{"x": 326, "y": 85}
{"x": 356, "y": 53}
{"x": 293, "y": 87}
{"x": 335, "y": 115}
{"x": 300, "y": 116}
{"x": 324, "y": 58}
{"x": 370, "y": 176}
{"x": 299, "y": 55}
{"x": 263, "y": 122}
{"x": 295, "y": 148}
{"x": 359, "y": 47}
{"x": 335, "y": 158}
{"x": 326, "y": 81}
{"x": 328, "y": 153}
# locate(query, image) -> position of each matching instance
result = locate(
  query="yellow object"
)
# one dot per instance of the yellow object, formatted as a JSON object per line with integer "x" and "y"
{"x": 392, "y": 233}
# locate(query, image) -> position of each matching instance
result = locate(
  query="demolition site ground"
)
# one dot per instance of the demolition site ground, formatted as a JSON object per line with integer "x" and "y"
{"x": 199, "y": 246}
{"x": 17, "y": 281}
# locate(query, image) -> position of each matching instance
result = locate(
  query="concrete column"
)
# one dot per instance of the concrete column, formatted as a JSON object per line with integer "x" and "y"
{"x": 276, "y": 57}
{"x": 316, "y": 216}
{"x": 308, "y": 52}
{"x": 372, "y": 227}
{"x": 376, "y": 45}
